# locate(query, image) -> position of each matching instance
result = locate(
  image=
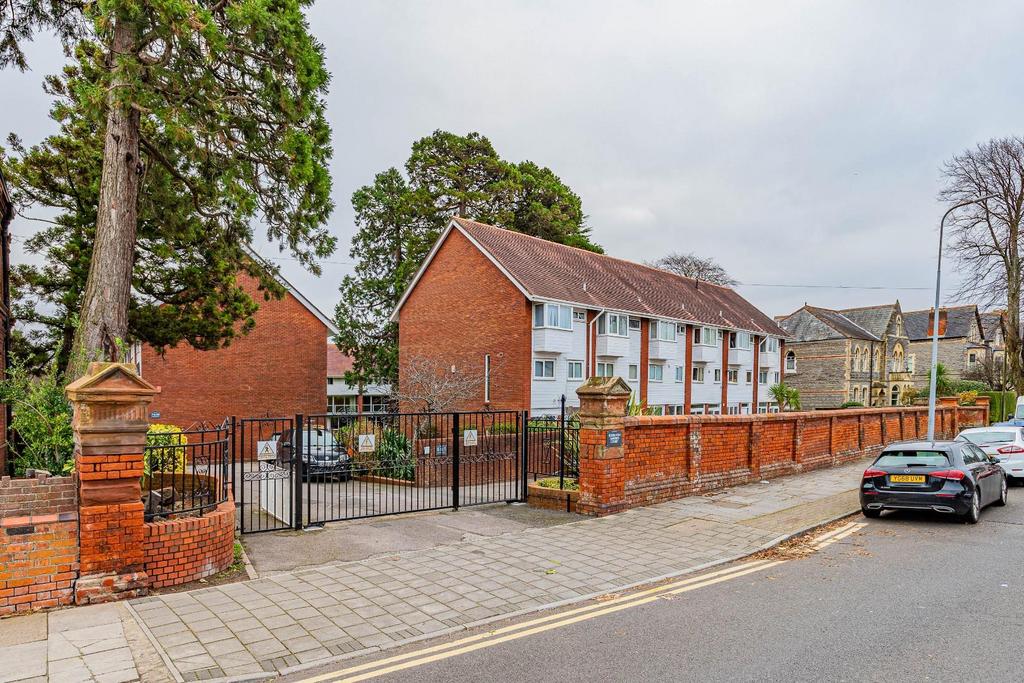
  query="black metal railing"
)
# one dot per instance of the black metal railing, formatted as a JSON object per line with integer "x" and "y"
{"x": 553, "y": 446}
{"x": 185, "y": 473}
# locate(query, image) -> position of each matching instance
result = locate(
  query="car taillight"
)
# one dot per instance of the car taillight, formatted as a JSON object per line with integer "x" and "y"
{"x": 871, "y": 473}
{"x": 955, "y": 475}
{"x": 1012, "y": 448}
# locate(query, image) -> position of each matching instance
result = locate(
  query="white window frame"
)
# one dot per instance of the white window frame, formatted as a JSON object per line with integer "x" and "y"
{"x": 769, "y": 345}
{"x": 704, "y": 334}
{"x": 545, "y": 316}
{"x": 569, "y": 370}
{"x": 777, "y": 377}
{"x": 601, "y": 367}
{"x": 697, "y": 374}
{"x": 634, "y": 323}
{"x": 674, "y": 409}
{"x": 613, "y": 321}
{"x": 750, "y": 377}
{"x": 655, "y": 369}
{"x": 762, "y": 376}
{"x": 718, "y": 375}
{"x": 633, "y": 372}
{"x": 733, "y": 373}
{"x": 544, "y": 363}
{"x": 579, "y": 316}
{"x": 790, "y": 355}
{"x": 680, "y": 374}
{"x": 660, "y": 330}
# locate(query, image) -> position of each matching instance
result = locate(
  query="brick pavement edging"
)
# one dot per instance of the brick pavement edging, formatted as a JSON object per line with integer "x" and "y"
{"x": 631, "y": 461}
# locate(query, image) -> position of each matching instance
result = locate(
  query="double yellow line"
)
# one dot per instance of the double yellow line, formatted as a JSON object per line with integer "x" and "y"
{"x": 469, "y": 644}
{"x": 436, "y": 653}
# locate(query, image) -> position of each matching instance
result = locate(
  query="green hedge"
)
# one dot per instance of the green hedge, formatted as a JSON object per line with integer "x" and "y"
{"x": 1002, "y": 404}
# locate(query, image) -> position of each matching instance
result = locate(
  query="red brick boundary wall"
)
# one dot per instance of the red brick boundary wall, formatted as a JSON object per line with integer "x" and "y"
{"x": 38, "y": 543}
{"x": 664, "y": 458}
{"x": 190, "y": 548}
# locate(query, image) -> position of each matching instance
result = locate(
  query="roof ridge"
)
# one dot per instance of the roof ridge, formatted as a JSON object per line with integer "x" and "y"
{"x": 594, "y": 253}
{"x": 943, "y": 308}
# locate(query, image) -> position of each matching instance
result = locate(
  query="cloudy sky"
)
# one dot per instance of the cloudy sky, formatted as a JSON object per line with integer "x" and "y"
{"x": 798, "y": 143}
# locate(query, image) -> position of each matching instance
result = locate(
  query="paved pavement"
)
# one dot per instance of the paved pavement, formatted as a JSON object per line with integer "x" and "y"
{"x": 296, "y": 619}
{"x": 909, "y": 597}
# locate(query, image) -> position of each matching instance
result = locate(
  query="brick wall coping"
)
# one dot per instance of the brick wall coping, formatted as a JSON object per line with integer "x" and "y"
{"x": 638, "y": 420}
{"x": 38, "y": 519}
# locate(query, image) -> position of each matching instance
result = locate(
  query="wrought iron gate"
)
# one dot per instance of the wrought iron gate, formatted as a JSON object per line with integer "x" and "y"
{"x": 291, "y": 472}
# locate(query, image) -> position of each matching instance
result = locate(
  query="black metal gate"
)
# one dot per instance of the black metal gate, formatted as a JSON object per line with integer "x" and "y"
{"x": 307, "y": 470}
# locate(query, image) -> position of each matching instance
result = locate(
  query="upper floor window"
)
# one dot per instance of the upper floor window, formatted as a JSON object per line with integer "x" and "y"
{"x": 734, "y": 376}
{"x": 741, "y": 340}
{"x": 655, "y": 373}
{"x": 680, "y": 373}
{"x": 762, "y": 376}
{"x": 769, "y": 345}
{"x": 663, "y": 331}
{"x": 697, "y": 373}
{"x": 790, "y": 360}
{"x": 899, "y": 325}
{"x": 634, "y": 372}
{"x": 552, "y": 315}
{"x": 605, "y": 369}
{"x": 613, "y": 324}
{"x": 634, "y": 323}
{"x": 705, "y": 336}
{"x": 544, "y": 369}
{"x": 579, "y": 316}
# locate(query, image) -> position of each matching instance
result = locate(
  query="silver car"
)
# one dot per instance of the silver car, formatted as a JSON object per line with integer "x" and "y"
{"x": 1003, "y": 442}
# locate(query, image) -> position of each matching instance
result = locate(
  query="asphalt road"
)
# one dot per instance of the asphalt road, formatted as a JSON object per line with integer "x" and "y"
{"x": 907, "y": 598}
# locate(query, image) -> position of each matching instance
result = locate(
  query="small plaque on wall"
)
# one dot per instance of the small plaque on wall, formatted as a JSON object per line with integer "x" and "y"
{"x": 613, "y": 438}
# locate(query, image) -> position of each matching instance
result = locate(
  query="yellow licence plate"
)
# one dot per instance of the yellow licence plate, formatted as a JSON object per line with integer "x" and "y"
{"x": 906, "y": 478}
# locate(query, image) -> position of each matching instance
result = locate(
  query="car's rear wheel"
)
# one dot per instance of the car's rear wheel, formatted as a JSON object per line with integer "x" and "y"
{"x": 871, "y": 514}
{"x": 1003, "y": 493}
{"x": 974, "y": 513}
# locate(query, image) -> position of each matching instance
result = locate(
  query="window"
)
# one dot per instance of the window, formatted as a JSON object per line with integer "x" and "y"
{"x": 744, "y": 409}
{"x": 733, "y": 410}
{"x": 790, "y": 361}
{"x": 544, "y": 369}
{"x": 579, "y": 316}
{"x": 750, "y": 376}
{"x": 762, "y": 376}
{"x": 634, "y": 323}
{"x": 655, "y": 372}
{"x": 698, "y": 374}
{"x": 575, "y": 370}
{"x": 911, "y": 362}
{"x": 718, "y": 375}
{"x": 705, "y": 336}
{"x": 613, "y": 324}
{"x": 487, "y": 378}
{"x": 663, "y": 331}
{"x": 375, "y": 404}
{"x": 733, "y": 376}
{"x": 634, "y": 372}
{"x": 656, "y": 410}
{"x": 330, "y": 381}
{"x": 342, "y": 404}
{"x": 769, "y": 345}
{"x": 552, "y": 315}
{"x": 680, "y": 373}
{"x": 697, "y": 410}
{"x": 856, "y": 360}
{"x": 605, "y": 369}
{"x": 674, "y": 410}
{"x": 972, "y": 358}
{"x": 681, "y": 329}
{"x": 775, "y": 378}
{"x": 714, "y": 409}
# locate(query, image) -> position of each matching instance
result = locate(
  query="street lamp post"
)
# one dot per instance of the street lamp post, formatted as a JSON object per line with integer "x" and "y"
{"x": 935, "y": 315}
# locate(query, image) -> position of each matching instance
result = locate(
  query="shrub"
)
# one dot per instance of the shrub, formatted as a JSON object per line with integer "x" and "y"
{"x": 503, "y": 428}
{"x": 40, "y": 421}
{"x": 959, "y": 386}
{"x": 967, "y": 398}
{"x": 552, "y": 483}
{"x": 165, "y": 449}
{"x": 908, "y": 395}
{"x": 394, "y": 456}
{"x": 852, "y": 404}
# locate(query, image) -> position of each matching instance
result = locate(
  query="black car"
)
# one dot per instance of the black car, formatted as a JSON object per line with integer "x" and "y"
{"x": 322, "y": 456}
{"x": 952, "y": 477}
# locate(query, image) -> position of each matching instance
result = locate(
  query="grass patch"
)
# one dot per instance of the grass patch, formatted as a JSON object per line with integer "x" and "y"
{"x": 552, "y": 483}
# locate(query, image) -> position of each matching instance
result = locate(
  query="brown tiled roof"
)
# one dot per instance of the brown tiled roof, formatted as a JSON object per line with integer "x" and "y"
{"x": 337, "y": 362}
{"x": 547, "y": 270}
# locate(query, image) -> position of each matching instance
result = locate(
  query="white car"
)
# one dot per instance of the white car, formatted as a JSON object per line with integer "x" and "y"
{"x": 1003, "y": 442}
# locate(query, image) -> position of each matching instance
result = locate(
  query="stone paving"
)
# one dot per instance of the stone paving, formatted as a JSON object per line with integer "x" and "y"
{"x": 283, "y": 622}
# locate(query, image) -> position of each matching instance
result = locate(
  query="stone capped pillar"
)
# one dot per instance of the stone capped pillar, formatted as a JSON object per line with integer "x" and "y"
{"x": 602, "y": 445}
{"x": 110, "y": 407}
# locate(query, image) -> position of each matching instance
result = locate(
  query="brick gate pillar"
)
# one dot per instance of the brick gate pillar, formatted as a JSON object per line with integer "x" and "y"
{"x": 110, "y": 404}
{"x": 602, "y": 462}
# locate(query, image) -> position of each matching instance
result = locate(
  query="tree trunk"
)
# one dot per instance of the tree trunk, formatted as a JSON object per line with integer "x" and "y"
{"x": 103, "y": 323}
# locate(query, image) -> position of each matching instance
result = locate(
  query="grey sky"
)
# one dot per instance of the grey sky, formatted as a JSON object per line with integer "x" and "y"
{"x": 794, "y": 142}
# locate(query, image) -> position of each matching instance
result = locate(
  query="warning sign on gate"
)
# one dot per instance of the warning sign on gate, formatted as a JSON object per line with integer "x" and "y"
{"x": 266, "y": 450}
{"x": 367, "y": 443}
{"x": 469, "y": 437}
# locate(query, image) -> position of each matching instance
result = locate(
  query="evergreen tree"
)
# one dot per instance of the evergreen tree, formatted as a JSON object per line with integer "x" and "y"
{"x": 225, "y": 97}
{"x": 398, "y": 221}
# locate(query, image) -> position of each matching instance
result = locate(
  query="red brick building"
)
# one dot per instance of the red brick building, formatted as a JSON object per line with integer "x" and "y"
{"x": 279, "y": 369}
{"x": 534, "y": 319}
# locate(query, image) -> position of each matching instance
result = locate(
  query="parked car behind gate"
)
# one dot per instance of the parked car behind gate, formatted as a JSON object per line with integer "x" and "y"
{"x": 1005, "y": 443}
{"x": 952, "y": 477}
{"x": 322, "y": 456}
